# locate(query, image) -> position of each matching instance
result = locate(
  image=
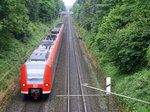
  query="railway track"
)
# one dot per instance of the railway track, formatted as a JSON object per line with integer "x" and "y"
{"x": 72, "y": 48}
{"x": 68, "y": 69}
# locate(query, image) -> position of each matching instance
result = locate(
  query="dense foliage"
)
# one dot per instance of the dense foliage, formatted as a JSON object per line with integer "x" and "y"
{"x": 121, "y": 28}
{"x": 18, "y": 16}
{"x": 118, "y": 33}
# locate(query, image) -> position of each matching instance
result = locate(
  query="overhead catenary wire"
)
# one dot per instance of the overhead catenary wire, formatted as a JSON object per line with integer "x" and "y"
{"x": 128, "y": 97}
{"x": 98, "y": 89}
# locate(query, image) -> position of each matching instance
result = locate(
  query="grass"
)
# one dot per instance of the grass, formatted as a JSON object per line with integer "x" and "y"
{"x": 13, "y": 52}
{"x": 136, "y": 85}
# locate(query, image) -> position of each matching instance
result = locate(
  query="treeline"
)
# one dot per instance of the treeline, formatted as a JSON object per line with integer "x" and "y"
{"x": 120, "y": 28}
{"x": 17, "y": 17}
{"x": 118, "y": 34}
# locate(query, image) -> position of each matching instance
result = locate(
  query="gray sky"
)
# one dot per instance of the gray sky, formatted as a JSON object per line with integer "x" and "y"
{"x": 69, "y": 2}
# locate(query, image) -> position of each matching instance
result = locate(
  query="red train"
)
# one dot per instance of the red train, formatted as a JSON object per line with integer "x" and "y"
{"x": 38, "y": 72}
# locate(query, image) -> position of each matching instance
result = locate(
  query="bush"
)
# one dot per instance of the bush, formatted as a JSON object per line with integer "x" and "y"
{"x": 128, "y": 49}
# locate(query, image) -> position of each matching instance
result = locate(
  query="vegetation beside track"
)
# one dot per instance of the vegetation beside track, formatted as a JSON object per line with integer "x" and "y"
{"x": 117, "y": 33}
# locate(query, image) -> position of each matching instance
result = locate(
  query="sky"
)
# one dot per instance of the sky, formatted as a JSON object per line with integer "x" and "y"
{"x": 69, "y": 2}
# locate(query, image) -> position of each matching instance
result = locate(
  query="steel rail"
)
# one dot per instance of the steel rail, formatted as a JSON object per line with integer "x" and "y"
{"x": 68, "y": 67}
{"x": 79, "y": 75}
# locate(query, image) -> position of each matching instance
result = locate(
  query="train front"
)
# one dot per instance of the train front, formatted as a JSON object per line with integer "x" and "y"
{"x": 35, "y": 74}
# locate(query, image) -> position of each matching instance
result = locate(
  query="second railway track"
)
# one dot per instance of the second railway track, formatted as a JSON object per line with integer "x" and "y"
{"x": 72, "y": 48}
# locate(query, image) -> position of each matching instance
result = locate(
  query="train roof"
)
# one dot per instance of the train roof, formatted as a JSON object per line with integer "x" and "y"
{"x": 41, "y": 54}
{"x": 56, "y": 29}
{"x": 59, "y": 24}
{"x": 51, "y": 37}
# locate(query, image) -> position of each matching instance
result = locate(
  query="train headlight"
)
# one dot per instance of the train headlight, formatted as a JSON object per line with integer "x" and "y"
{"x": 46, "y": 84}
{"x": 23, "y": 85}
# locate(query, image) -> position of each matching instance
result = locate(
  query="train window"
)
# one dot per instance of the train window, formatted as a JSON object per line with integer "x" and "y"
{"x": 35, "y": 76}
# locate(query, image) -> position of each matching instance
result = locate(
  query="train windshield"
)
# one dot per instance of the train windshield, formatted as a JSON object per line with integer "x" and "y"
{"x": 35, "y": 74}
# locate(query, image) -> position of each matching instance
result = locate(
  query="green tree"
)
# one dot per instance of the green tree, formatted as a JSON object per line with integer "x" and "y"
{"x": 19, "y": 16}
{"x": 121, "y": 29}
{"x": 13, "y": 18}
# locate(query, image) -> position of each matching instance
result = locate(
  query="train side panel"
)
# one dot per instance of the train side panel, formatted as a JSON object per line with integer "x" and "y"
{"x": 23, "y": 83}
{"x": 47, "y": 80}
{"x": 52, "y": 61}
